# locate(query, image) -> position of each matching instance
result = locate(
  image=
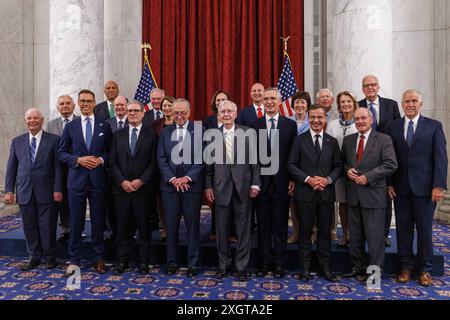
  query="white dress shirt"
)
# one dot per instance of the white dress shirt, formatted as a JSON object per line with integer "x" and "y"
{"x": 415, "y": 122}
{"x": 366, "y": 137}
{"x": 376, "y": 106}
{"x": 313, "y": 135}
{"x": 124, "y": 119}
{"x": 83, "y": 125}
{"x": 256, "y": 108}
{"x": 130, "y": 132}
{"x": 38, "y": 137}
{"x": 64, "y": 121}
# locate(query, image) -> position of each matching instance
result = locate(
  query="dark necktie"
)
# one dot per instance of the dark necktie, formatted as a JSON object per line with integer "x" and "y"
{"x": 133, "y": 141}
{"x": 272, "y": 127}
{"x": 317, "y": 145}
{"x": 157, "y": 114}
{"x": 374, "y": 115}
{"x": 180, "y": 140}
{"x": 33, "y": 146}
{"x": 88, "y": 132}
{"x": 360, "y": 152}
{"x": 120, "y": 125}
{"x": 66, "y": 121}
{"x": 410, "y": 133}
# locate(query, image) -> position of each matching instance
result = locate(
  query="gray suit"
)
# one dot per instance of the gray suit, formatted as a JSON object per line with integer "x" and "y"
{"x": 231, "y": 184}
{"x": 367, "y": 204}
{"x": 114, "y": 125}
{"x": 55, "y": 126}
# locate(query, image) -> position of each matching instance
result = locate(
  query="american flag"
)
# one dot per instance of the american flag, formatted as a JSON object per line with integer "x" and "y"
{"x": 287, "y": 87}
{"x": 146, "y": 84}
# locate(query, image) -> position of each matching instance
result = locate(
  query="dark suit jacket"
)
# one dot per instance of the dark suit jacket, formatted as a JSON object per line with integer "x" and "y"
{"x": 101, "y": 111}
{"x": 303, "y": 162}
{"x": 113, "y": 124}
{"x": 168, "y": 169}
{"x": 43, "y": 177}
{"x": 221, "y": 176}
{"x": 287, "y": 131}
{"x": 123, "y": 166}
{"x": 211, "y": 122}
{"x": 247, "y": 116}
{"x": 423, "y": 166}
{"x": 72, "y": 146}
{"x": 378, "y": 163}
{"x": 388, "y": 112}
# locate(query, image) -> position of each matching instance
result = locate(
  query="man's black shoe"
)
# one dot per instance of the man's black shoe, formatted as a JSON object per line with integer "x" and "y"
{"x": 120, "y": 268}
{"x": 220, "y": 274}
{"x": 354, "y": 273}
{"x": 330, "y": 277}
{"x": 65, "y": 236}
{"x": 242, "y": 275}
{"x": 278, "y": 272}
{"x": 192, "y": 272}
{"x": 143, "y": 268}
{"x": 31, "y": 264}
{"x": 50, "y": 264}
{"x": 262, "y": 271}
{"x": 172, "y": 269}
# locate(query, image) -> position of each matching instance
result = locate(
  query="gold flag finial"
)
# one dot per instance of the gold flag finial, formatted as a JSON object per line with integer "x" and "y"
{"x": 285, "y": 43}
{"x": 146, "y": 46}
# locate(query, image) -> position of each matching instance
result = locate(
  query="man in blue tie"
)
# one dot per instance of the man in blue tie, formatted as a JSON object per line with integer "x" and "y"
{"x": 156, "y": 97}
{"x": 384, "y": 111}
{"x": 417, "y": 185}
{"x": 84, "y": 149}
{"x": 34, "y": 172}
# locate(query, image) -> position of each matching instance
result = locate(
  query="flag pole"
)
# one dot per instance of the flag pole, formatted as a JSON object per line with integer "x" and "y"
{"x": 146, "y": 47}
{"x": 285, "y": 47}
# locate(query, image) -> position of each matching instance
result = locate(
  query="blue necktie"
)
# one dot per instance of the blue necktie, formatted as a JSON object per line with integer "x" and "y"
{"x": 120, "y": 124}
{"x": 33, "y": 146}
{"x": 88, "y": 132}
{"x": 374, "y": 114}
{"x": 158, "y": 115}
{"x": 410, "y": 133}
{"x": 133, "y": 141}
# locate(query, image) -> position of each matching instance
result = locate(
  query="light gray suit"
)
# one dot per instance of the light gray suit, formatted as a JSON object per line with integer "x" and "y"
{"x": 231, "y": 184}
{"x": 55, "y": 126}
{"x": 367, "y": 203}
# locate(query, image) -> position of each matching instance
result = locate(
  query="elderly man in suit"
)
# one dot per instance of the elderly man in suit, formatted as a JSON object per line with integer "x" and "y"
{"x": 232, "y": 181}
{"x": 369, "y": 159}
{"x": 65, "y": 106}
{"x": 34, "y": 170}
{"x": 84, "y": 149}
{"x": 179, "y": 151}
{"x": 384, "y": 111}
{"x": 272, "y": 205}
{"x": 315, "y": 165}
{"x": 156, "y": 97}
{"x": 133, "y": 185}
{"x": 119, "y": 121}
{"x": 417, "y": 185}
{"x": 105, "y": 110}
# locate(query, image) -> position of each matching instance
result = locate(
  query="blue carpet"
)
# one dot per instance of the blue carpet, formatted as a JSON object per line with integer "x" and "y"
{"x": 51, "y": 284}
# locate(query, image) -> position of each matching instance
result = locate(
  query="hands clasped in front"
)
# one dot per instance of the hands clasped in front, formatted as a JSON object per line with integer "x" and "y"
{"x": 181, "y": 184}
{"x": 318, "y": 183}
{"x": 352, "y": 174}
{"x": 89, "y": 162}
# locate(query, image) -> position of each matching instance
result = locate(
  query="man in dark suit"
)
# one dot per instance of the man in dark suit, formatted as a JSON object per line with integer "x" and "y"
{"x": 315, "y": 164}
{"x": 35, "y": 171}
{"x": 105, "y": 110}
{"x": 253, "y": 112}
{"x": 133, "y": 172}
{"x": 369, "y": 159}
{"x": 272, "y": 205}
{"x": 383, "y": 112}
{"x": 181, "y": 184}
{"x": 65, "y": 106}
{"x": 417, "y": 185}
{"x": 156, "y": 97}
{"x": 231, "y": 181}
{"x": 119, "y": 121}
{"x": 84, "y": 149}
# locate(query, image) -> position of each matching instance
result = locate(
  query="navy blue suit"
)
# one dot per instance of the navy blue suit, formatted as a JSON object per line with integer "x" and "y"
{"x": 83, "y": 183}
{"x": 272, "y": 204}
{"x": 101, "y": 111}
{"x": 35, "y": 183}
{"x": 247, "y": 116}
{"x": 420, "y": 169}
{"x": 176, "y": 203}
{"x": 211, "y": 122}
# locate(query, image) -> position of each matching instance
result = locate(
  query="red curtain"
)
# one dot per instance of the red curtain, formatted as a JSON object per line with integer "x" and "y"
{"x": 200, "y": 46}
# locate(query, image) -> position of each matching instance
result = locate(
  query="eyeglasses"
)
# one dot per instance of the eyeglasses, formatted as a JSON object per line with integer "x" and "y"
{"x": 226, "y": 111}
{"x": 370, "y": 85}
{"x": 86, "y": 101}
{"x": 180, "y": 113}
{"x": 134, "y": 110}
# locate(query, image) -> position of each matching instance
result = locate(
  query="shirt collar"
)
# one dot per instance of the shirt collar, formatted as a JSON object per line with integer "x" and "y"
{"x": 123, "y": 119}
{"x": 275, "y": 117}
{"x": 256, "y": 107}
{"x": 138, "y": 128}
{"x": 225, "y": 130}
{"x": 83, "y": 117}
{"x": 414, "y": 120}
{"x": 376, "y": 102}
{"x": 366, "y": 135}
{"x": 313, "y": 133}
{"x": 184, "y": 126}
{"x": 38, "y": 136}
{"x": 68, "y": 118}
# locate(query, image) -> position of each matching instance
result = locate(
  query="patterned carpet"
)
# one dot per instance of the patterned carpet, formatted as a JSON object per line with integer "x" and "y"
{"x": 42, "y": 284}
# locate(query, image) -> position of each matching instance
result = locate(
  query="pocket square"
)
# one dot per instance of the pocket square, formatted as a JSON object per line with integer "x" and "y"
{"x": 100, "y": 134}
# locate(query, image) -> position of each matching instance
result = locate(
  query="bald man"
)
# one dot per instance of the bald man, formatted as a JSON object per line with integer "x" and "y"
{"x": 34, "y": 172}
{"x": 105, "y": 110}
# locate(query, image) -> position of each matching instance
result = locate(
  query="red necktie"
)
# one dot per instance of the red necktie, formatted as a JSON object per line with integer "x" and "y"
{"x": 360, "y": 152}
{"x": 260, "y": 114}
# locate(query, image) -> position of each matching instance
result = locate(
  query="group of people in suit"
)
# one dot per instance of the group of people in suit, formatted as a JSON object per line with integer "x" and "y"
{"x": 363, "y": 155}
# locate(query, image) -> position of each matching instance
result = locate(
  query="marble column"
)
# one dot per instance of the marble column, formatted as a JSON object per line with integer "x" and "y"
{"x": 362, "y": 44}
{"x": 123, "y": 37}
{"x": 76, "y": 48}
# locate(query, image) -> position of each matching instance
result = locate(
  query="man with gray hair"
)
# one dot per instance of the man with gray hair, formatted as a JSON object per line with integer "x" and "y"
{"x": 231, "y": 182}
{"x": 325, "y": 100}
{"x": 65, "y": 106}
{"x": 34, "y": 172}
{"x": 156, "y": 97}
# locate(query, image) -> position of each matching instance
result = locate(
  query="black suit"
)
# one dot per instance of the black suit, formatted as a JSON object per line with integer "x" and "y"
{"x": 101, "y": 111}
{"x": 211, "y": 122}
{"x": 149, "y": 118}
{"x": 125, "y": 166}
{"x": 113, "y": 124}
{"x": 272, "y": 205}
{"x": 389, "y": 111}
{"x": 303, "y": 162}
